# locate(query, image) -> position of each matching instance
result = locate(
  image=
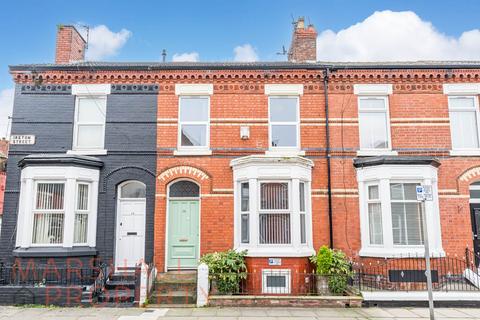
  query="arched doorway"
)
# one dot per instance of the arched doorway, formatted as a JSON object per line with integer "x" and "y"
{"x": 475, "y": 215}
{"x": 183, "y": 225}
{"x": 130, "y": 229}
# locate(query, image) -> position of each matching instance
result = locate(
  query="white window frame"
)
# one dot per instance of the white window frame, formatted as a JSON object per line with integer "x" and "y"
{"x": 275, "y": 211}
{"x": 386, "y": 110}
{"x": 277, "y": 272}
{"x": 193, "y": 150}
{"x": 84, "y": 212}
{"x": 271, "y": 123}
{"x": 242, "y": 212}
{"x": 465, "y": 151}
{"x": 383, "y": 175}
{"x": 264, "y": 169}
{"x": 374, "y": 201}
{"x": 31, "y": 176}
{"x": 35, "y": 210}
{"x": 88, "y": 150}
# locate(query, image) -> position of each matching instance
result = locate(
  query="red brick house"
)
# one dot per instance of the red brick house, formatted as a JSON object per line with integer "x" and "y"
{"x": 280, "y": 158}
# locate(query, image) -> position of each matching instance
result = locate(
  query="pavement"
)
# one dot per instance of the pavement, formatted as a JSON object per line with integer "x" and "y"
{"x": 45, "y": 313}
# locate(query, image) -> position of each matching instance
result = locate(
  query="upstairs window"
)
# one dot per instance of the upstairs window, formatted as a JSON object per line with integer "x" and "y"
{"x": 464, "y": 123}
{"x": 194, "y": 127}
{"x": 373, "y": 123}
{"x": 89, "y": 126}
{"x": 284, "y": 122}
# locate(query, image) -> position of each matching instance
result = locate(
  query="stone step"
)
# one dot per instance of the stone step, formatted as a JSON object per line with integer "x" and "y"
{"x": 122, "y": 277}
{"x": 125, "y": 284}
{"x": 117, "y": 296}
{"x": 174, "y": 298}
{"x": 165, "y": 287}
{"x": 177, "y": 276}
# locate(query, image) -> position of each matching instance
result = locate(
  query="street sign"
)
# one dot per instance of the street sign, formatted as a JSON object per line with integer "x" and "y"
{"x": 424, "y": 192}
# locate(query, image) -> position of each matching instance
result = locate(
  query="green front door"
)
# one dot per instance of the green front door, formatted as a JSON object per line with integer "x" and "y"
{"x": 183, "y": 234}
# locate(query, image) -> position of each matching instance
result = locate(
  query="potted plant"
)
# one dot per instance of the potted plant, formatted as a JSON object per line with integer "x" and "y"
{"x": 332, "y": 271}
{"x": 226, "y": 270}
{"x": 322, "y": 261}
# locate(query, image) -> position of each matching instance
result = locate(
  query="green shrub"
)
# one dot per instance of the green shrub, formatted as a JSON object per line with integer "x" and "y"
{"x": 227, "y": 269}
{"x": 335, "y": 265}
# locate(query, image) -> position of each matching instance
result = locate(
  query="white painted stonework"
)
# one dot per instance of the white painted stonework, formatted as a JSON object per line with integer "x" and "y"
{"x": 372, "y": 89}
{"x": 193, "y": 89}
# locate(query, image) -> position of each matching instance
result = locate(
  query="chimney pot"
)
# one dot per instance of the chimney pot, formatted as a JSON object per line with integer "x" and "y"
{"x": 70, "y": 46}
{"x": 304, "y": 43}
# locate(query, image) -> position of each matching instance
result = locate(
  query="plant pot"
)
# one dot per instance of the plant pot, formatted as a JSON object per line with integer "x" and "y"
{"x": 322, "y": 285}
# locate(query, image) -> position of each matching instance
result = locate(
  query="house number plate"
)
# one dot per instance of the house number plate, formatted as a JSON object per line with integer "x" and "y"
{"x": 274, "y": 261}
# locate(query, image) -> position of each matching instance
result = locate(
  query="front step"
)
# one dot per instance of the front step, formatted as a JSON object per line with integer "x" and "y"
{"x": 119, "y": 290}
{"x": 175, "y": 288}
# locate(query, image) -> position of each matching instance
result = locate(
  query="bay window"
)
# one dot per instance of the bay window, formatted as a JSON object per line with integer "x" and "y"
{"x": 49, "y": 212}
{"x": 274, "y": 213}
{"x": 58, "y": 204}
{"x": 81, "y": 213}
{"x": 391, "y": 218}
{"x": 273, "y": 205}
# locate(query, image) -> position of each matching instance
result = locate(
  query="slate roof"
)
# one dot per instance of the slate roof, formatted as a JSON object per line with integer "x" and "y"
{"x": 275, "y": 65}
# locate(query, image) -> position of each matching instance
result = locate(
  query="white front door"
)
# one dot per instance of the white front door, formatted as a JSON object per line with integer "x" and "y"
{"x": 130, "y": 248}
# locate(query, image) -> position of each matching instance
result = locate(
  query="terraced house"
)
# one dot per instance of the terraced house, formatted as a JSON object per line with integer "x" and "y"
{"x": 164, "y": 162}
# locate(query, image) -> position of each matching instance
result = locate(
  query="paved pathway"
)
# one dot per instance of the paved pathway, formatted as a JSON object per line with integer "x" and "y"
{"x": 22, "y": 313}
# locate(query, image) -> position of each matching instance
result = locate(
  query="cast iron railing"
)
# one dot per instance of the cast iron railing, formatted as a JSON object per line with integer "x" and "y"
{"x": 47, "y": 275}
{"x": 407, "y": 273}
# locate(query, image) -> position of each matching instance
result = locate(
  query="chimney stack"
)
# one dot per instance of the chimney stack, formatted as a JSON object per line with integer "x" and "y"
{"x": 304, "y": 43}
{"x": 70, "y": 45}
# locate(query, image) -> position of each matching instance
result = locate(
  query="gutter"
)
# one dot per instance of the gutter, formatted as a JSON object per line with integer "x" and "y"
{"x": 329, "y": 174}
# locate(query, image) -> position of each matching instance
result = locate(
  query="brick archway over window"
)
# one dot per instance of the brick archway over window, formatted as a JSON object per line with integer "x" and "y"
{"x": 468, "y": 177}
{"x": 201, "y": 177}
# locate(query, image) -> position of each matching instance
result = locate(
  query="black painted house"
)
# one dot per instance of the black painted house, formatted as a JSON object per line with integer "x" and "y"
{"x": 90, "y": 169}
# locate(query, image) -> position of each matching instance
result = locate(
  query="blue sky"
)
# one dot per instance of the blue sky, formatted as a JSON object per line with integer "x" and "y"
{"x": 210, "y": 30}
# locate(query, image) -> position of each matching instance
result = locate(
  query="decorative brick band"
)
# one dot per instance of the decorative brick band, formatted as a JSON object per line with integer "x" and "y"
{"x": 46, "y": 88}
{"x": 183, "y": 170}
{"x": 135, "y": 88}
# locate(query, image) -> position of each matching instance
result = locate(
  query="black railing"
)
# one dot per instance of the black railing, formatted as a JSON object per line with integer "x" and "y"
{"x": 273, "y": 282}
{"x": 46, "y": 275}
{"x": 449, "y": 273}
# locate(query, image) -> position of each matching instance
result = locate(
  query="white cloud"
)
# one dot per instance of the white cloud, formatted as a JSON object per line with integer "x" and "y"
{"x": 6, "y": 106}
{"x": 186, "y": 57}
{"x": 389, "y": 36}
{"x": 245, "y": 53}
{"x": 103, "y": 43}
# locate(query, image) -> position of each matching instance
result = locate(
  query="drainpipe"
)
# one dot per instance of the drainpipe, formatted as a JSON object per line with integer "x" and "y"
{"x": 329, "y": 175}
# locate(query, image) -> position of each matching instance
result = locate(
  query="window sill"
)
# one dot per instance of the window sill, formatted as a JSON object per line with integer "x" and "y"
{"x": 368, "y": 153}
{"x": 192, "y": 152}
{"x": 54, "y": 252}
{"x": 288, "y": 251}
{"x": 411, "y": 252}
{"x": 473, "y": 152}
{"x": 92, "y": 152}
{"x": 285, "y": 152}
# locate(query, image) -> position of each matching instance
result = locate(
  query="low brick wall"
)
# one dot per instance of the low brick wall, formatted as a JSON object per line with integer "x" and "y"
{"x": 59, "y": 296}
{"x": 286, "y": 301}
